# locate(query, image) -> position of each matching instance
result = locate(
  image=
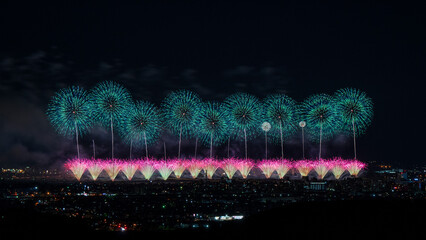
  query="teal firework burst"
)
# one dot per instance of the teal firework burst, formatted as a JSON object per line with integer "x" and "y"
{"x": 281, "y": 111}
{"x": 213, "y": 124}
{"x": 111, "y": 102}
{"x": 180, "y": 112}
{"x": 245, "y": 116}
{"x": 69, "y": 111}
{"x": 142, "y": 124}
{"x": 354, "y": 110}
{"x": 320, "y": 115}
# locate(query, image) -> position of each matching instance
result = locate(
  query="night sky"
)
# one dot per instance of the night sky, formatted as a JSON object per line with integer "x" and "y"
{"x": 214, "y": 49}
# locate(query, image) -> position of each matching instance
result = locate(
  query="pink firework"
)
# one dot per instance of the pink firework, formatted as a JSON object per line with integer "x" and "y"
{"x": 244, "y": 166}
{"x": 283, "y": 166}
{"x": 322, "y": 167}
{"x": 178, "y": 167}
{"x": 354, "y": 166}
{"x": 194, "y": 167}
{"x": 146, "y": 167}
{"x": 95, "y": 168}
{"x": 77, "y": 167}
{"x": 304, "y": 167}
{"x": 229, "y": 166}
{"x": 112, "y": 167}
{"x": 211, "y": 166}
{"x": 164, "y": 168}
{"x": 268, "y": 167}
{"x": 129, "y": 168}
{"x": 338, "y": 167}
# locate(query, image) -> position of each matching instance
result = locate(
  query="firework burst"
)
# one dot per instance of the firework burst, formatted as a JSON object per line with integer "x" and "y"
{"x": 69, "y": 111}
{"x": 244, "y": 167}
{"x": 164, "y": 168}
{"x": 179, "y": 167}
{"x": 112, "y": 167}
{"x": 283, "y": 166}
{"x": 129, "y": 168}
{"x": 354, "y": 167}
{"x": 77, "y": 167}
{"x": 213, "y": 124}
{"x": 110, "y": 102}
{"x": 180, "y": 111}
{"x": 142, "y": 124}
{"x": 319, "y": 113}
{"x": 244, "y": 111}
{"x": 281, "y": 112}
{"x": 95, "y": 168}
{"x": 194, "y": 167}
{"x": 338, "y": 167}
{"x": 146, "y": 167}
{"x": 268, "y": 167}
{"x": 322, "y": 167}
{"x": 210, "y": 166}
{"x": 229, "y": 167}
{"x": 355, "y": 111}
{"x": 304, "y": 167}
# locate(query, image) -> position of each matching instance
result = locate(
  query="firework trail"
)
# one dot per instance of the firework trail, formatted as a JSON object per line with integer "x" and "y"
{"x": 320, "y": 115}
{"x": 142, "y": 124}
{"x": 69, "y": 112}
{"x": 266, "y": 127}
{"x": 281, "y": 112}
{"x": 245, "y": 113}
{"x": 77, "y": 167}
{"x": 302, "y": 124}
{"x": 110, "y": 103}
{"x": 355, "y": 111}
{"x": 180, "y": 112}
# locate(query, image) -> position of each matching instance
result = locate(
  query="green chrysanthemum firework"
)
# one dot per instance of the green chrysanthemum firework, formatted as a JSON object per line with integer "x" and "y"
{"x": 180, "y": 110}
{"x": 245, "y": 114}
{"x": 110, "y": 102}
{"x": 213, "y": 124}
{"x": 320, "y": 115}
{"x": 354, "y": 109}
{"x": 281, "y": 111}
{"x": 142, "y": 125}
{"x": 69, "y": 111}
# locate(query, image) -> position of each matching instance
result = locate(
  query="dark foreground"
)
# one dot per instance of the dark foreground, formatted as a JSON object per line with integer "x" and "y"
{"x": 380, "y": 219}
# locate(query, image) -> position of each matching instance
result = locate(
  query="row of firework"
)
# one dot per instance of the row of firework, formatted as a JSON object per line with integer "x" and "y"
{"x": 206, "y": 168}
{"x": 74, "y": 111}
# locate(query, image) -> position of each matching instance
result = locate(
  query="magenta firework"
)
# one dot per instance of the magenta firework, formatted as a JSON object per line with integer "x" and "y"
{"x": 207, "y": 168}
